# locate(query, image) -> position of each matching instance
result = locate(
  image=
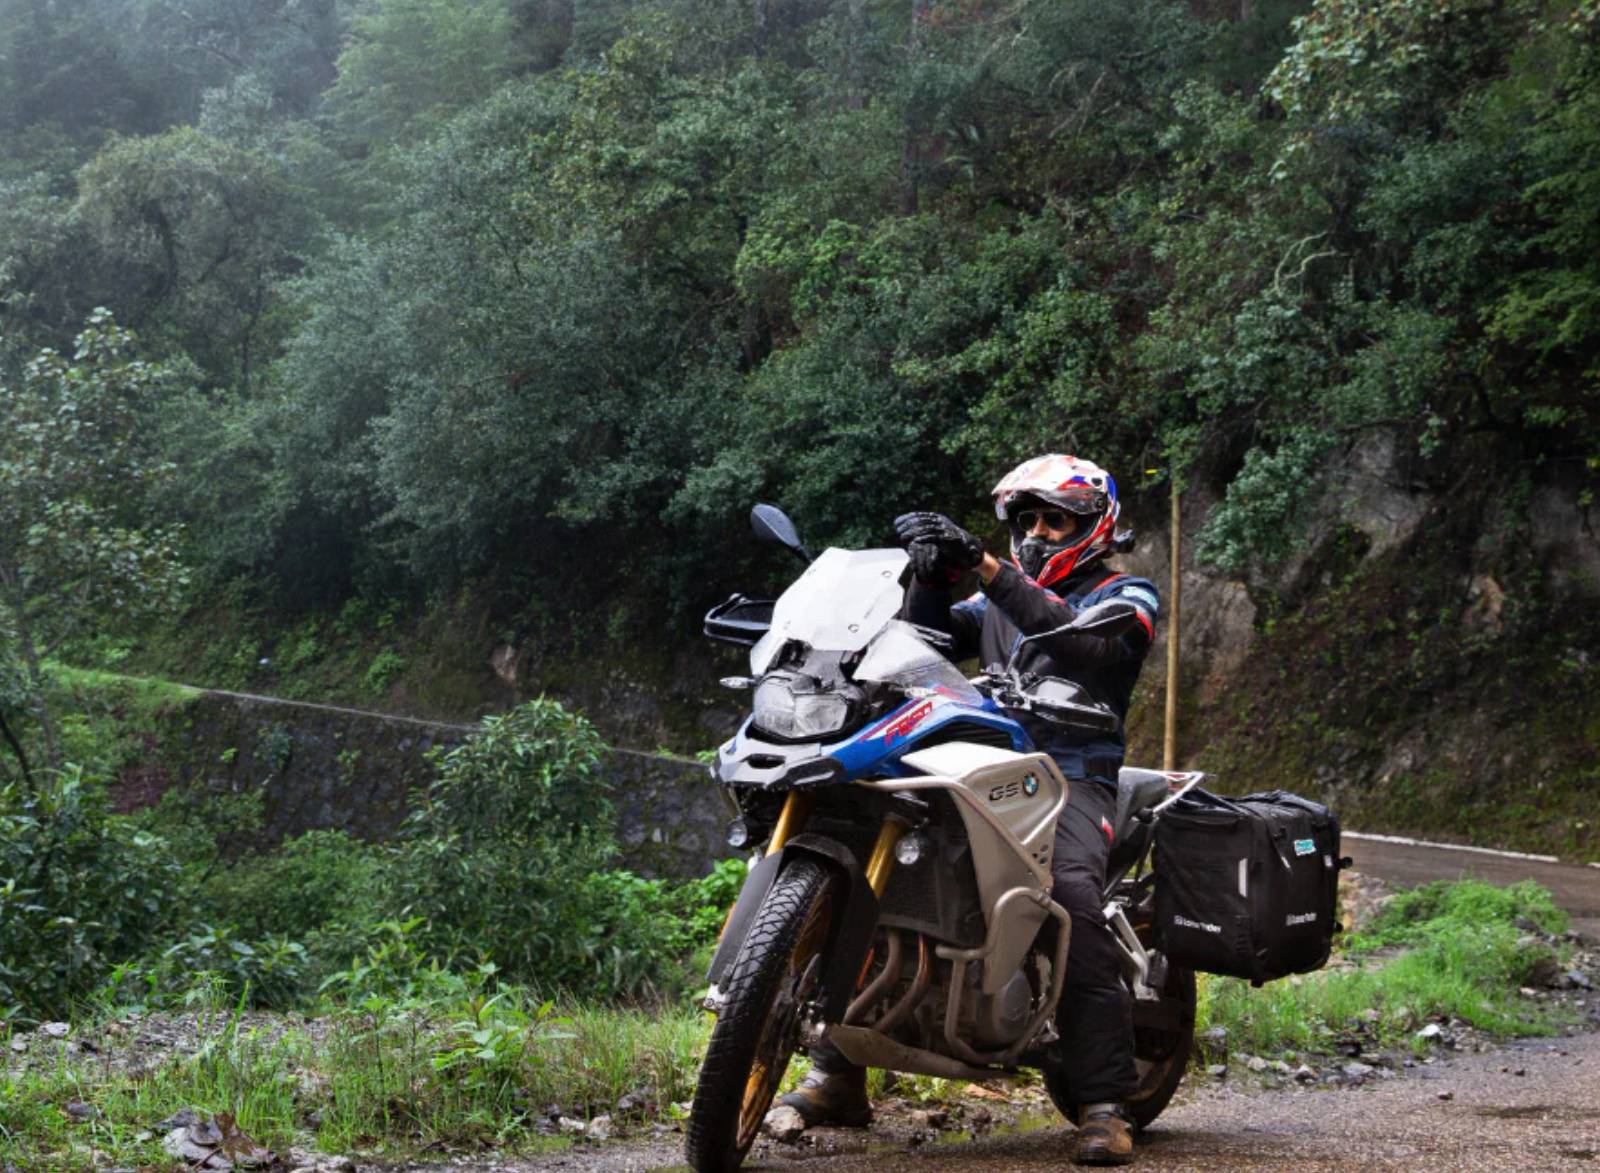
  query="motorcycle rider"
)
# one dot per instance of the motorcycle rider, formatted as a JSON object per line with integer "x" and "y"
{"x": 1062, "y": 515}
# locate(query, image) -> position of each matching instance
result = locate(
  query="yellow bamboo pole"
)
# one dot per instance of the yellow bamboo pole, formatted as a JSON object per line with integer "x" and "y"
{"x": 1169, "y": 754}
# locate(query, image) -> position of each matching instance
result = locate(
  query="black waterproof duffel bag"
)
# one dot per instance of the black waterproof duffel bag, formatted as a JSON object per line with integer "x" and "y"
{"x": 1247, "y": 886}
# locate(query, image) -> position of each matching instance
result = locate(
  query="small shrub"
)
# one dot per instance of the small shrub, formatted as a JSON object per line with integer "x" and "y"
{"x": 385, "y": 666}
{"x": 505, "y": 856}
{"x": 79, "y": 891}
{"x": 303, "y": 650}
{"x": 276, "y": 745}
{"x": 1441, "y": 906}
{"x": 316, "y": 880}
{"x": 268, "y": 972}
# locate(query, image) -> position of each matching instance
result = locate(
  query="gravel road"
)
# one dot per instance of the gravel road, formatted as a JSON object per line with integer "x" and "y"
{"x": 1548, "y": 1117}
{"x": 1531, "y": 1106}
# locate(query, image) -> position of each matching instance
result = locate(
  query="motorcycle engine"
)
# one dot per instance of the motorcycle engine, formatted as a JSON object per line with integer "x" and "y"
{"x": 1000, "y": 1019}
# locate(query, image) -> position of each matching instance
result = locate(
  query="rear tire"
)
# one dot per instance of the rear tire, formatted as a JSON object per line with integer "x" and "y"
{"x": 778, "y": 969}
{"x": 1162, "y": 1044}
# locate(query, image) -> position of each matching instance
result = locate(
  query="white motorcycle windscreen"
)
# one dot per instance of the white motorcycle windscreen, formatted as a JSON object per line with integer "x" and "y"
{"x": 844, "y": 598}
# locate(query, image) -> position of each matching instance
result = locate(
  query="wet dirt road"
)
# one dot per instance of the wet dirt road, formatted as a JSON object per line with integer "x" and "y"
{"x": 1546, "y": 1118}
{"x": 1526, "y": 1108}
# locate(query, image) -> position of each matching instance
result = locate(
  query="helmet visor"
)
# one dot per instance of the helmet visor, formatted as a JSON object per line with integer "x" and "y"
{"x": 1079, "y": 499}
{"x": 1082, "y": 500}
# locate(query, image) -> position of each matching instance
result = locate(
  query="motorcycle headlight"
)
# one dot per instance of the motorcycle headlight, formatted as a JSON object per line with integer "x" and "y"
{"x": 783, "y": 712}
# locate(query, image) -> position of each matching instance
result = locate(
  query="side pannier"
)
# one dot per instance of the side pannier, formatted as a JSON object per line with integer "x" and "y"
{"x": 1247, "y": 887}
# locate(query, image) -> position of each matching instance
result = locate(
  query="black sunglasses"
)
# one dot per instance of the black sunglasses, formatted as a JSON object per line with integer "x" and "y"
{"x": 1053, "y": 518}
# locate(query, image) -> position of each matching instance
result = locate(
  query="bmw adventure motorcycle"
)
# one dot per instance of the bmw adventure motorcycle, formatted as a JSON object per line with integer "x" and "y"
{"x": 899, "y": 906}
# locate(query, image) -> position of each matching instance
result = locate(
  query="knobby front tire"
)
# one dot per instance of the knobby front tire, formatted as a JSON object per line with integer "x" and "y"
{"x": 778, "y": 969}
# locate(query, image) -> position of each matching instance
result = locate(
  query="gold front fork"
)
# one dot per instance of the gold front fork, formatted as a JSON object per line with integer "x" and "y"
{"x": 881, "y": 862}
{"x": 796, "y": 809}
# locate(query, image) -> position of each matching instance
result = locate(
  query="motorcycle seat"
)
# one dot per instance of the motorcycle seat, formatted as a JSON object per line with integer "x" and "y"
{"x": 1137, "y": 789}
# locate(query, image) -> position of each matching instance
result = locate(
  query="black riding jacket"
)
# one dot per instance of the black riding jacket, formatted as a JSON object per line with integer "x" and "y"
{"x": 992, "y": 620}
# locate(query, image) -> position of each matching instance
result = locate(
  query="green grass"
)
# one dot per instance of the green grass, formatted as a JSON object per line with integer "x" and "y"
{"x": 391, "y": 1078}
{"x": 142, "y": 691}
{"x": 1438, "y": 950}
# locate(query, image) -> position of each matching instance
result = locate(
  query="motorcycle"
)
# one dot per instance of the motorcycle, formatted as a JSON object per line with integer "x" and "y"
{"x": 902, "y": 825}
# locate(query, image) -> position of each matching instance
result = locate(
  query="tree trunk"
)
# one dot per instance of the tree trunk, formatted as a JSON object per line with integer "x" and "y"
{"x": 911, "y": 155}
{"x": 22, "y": 758}
{"x": 16, "y": 602}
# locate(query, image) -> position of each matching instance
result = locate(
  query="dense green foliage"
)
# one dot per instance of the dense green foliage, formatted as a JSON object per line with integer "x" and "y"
{"x": 466, "y": 284}
{"x": 504, "y": 869}
{"x": 78, "y": 463}
{"x": 78, "y": 891}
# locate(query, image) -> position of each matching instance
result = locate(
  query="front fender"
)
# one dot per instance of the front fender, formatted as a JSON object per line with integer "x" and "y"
{"x": 849, "y": 937}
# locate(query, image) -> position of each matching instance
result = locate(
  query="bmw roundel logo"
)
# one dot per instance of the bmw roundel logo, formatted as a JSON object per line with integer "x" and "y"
{"x": 1030, "y": 785}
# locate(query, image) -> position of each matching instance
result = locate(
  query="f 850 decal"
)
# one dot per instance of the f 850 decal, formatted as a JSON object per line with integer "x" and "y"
{"x": 903, "y": 725}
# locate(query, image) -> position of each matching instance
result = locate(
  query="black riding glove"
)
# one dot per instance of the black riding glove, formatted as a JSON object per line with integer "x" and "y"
{"x": 941, "y": 551}
{"x": 929, "y": 565}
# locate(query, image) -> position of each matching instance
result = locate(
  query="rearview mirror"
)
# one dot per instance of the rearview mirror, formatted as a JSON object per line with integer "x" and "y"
{"x": 1112, "y": 617}
{"x": 772, "y": 524}
{"x": 1107, "y": 619}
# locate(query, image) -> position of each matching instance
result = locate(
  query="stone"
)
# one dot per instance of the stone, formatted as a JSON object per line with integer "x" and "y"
{"x": 1357, "y": 1070}
{"x": 55, "y": 1030}
{"x": 1217, "y": 1070}
{"x": 1576, "y": 980}
{"x": 182, "y": 1118}
{"x": 217, "y": 1143}
{"x": 783, "y": 1124}
{"x": 1543, "y": 968}
{"x": 634, "y": 1101}
{"x": 181, "y": 1145}
{"x": 78, "y": 1110}
{"x": 1257, "y": 1063}
{"x": 1447, "y": 1095}
{"x": 1305, "y": 1074}
{"x": 600, "y": 1128}
{"x": 503, "y": 660}
{"x": 572, "y": 1126}
{"x": 933, "y": 1118}
{"x": 1212, "y": 1045}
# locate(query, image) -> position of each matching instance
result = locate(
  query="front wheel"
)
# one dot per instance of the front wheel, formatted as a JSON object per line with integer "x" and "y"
{"x": 778, "y": 969}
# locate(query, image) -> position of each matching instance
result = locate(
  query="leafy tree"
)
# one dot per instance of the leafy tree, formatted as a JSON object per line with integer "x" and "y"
{"x": 76, "y": 550}
{"x": 197, "y": 233}
{"x": 410, "y": 65}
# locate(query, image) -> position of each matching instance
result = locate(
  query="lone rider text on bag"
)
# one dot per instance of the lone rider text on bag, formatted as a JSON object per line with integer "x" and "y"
{"x": 1247, "y": 886}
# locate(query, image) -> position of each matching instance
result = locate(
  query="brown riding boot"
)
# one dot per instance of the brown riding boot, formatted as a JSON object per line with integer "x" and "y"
{"x": 832, "y": 1097}
{"x": 1104, "y": 1136}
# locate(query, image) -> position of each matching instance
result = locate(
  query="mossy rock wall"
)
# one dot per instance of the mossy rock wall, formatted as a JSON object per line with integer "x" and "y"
{"x": 321, "y": 767}
{"x": 1435, "y": 675}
